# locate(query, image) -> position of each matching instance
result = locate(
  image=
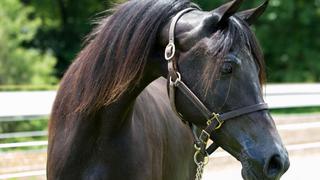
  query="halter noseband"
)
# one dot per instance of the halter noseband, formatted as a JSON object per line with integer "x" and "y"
{"x": 214, "y": 120}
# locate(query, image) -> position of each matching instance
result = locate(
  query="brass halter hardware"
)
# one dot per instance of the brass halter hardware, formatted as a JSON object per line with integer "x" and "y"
{"x": 215, "y": 116}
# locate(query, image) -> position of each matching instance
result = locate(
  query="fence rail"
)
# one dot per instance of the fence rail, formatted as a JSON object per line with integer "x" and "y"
{"x": 24, "y": 144}
{"x": 23, "y": 134}
{"x": 25, "y": 104}
{"x": 39, "y": 103}
{"x": 292, "y": 95}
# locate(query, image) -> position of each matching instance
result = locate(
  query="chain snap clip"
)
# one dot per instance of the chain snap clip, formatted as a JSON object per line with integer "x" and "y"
{"x": 175, "y": 82}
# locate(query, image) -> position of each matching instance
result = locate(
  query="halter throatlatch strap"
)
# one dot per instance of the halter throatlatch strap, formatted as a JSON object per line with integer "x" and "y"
{"x": 214, "y": 120}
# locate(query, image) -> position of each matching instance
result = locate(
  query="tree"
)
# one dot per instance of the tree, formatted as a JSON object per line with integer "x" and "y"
{"x": 64, "y": 25}
{"x": 20, "y": 65}
{"x": 288, "y": 33}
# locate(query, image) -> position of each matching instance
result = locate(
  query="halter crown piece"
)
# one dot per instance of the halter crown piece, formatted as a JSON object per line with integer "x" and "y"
{"x": 214, "y": 120}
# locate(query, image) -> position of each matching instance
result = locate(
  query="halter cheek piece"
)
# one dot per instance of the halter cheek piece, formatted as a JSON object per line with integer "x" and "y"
{"x": 214, "y": 120}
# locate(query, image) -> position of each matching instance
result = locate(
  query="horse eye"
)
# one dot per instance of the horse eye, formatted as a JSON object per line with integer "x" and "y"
{"x": 226, "y": 68}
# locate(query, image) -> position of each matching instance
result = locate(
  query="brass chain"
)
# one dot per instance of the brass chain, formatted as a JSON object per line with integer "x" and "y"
{"x": 199, "y": 173}
{"x": 201, "y": 159}
{"x": 200, "y": 163}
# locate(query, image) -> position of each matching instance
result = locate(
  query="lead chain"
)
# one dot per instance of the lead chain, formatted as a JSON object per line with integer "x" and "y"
{"x": 200, "y": 164}
{"x": 199, "y": 173}
{"x": 204, "y": 157}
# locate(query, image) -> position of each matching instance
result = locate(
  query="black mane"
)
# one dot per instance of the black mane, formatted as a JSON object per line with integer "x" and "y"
{"x": 117, "y": 52}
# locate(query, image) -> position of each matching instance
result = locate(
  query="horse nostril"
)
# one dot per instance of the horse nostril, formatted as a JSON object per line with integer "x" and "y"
{"x": 274, "y": 167}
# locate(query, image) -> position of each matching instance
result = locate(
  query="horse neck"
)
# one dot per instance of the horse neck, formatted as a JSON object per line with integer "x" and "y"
{"x": 77, "y": 133}
{"x": 115, "y": 115}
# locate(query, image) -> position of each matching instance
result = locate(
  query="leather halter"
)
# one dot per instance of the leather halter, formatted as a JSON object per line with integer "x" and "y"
{"x": 214, "y": 120}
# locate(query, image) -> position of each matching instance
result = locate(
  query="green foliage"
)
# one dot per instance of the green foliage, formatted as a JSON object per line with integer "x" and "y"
{"x": 289, "y": 35}
{"x": 36, "y": 124}
{"x": 18, "y": 64}
{"x": 41, "y": 87}
{"x": 64, "y": 24}
{"x": 288, "y": 32}
{"x": 24, "y": 125}
{"x": 301, "y": 110}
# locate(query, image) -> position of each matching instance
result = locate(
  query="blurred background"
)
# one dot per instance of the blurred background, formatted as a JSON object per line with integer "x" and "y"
{"x": 39, "y": 39}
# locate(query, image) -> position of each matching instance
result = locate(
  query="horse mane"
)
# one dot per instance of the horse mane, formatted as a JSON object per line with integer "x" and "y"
{"x": 116, "y": 53}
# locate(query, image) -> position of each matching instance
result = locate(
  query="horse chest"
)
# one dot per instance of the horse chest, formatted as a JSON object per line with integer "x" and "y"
{"x": 144, "y": 156}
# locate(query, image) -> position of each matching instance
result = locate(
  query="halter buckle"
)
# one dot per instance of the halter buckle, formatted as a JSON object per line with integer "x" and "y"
{"x": 170, "y": 51}
{"x": 204, "y": 137}
{"x": 215, "y": 116}
{"x": 201, "y": 143}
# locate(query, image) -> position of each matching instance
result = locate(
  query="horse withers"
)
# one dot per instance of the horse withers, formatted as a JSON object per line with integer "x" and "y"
{"x": 106, "y": 124}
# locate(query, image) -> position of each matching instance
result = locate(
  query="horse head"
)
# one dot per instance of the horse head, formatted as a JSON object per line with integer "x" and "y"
{"x": 217, "y": 57}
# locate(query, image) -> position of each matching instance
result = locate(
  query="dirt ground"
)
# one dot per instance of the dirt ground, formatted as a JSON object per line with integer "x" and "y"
{"x": 305, "y": 161}
{"x": 302, "y": 167}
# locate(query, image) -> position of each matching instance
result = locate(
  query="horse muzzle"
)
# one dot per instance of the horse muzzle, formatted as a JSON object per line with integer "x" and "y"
{"x": 271, "y": 166}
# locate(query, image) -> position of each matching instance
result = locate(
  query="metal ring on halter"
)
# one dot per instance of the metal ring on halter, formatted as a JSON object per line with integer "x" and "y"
{"x": 176, "y": 81}
{"x": 205, "y": 159}
{"x": 196, "y": 147}
{"x": 170, "y": 51}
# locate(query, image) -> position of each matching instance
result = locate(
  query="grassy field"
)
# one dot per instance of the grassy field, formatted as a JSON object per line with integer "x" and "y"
{"x": 28, "y": 125}
{"x": 28, "y": 87}
{"x": 305, "y": 110}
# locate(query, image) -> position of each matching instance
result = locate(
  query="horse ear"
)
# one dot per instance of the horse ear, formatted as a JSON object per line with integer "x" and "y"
{"x": 223, "y": 12}
{"x": 251, "y": 15}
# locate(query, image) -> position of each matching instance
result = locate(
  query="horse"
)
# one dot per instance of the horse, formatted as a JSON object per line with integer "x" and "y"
{"x": 115, "y": 116}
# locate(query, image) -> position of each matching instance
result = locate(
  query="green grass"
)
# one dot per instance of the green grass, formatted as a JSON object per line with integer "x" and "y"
{"x": 38, "y": 124}
{"x": 302, "y": 110}
{"x": 28, "y": 87}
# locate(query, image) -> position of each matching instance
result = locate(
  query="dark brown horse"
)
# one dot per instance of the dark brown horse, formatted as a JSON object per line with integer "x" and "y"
{"x": 107, "y": 124}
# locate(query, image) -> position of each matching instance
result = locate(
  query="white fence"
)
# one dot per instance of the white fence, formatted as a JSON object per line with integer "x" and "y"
{"x": 292, "y": 95}
{"x": 26, "y": 104}
{"x": 15, "y": 106}
{"x": 38, "y": 103}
